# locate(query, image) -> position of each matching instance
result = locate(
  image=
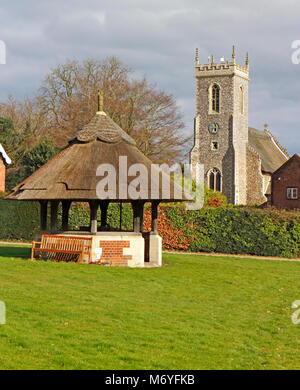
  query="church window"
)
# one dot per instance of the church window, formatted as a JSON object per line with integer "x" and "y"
{"x": 211, "y": 181}
{"x": 215, "y": 98}
{"x": 214, "y": 179}
{"x": 241, "y": 100}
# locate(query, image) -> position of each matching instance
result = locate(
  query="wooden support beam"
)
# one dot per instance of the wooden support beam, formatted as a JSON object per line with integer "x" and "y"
{"x": 154, "y": 212}
{"x": 43, "y": 214}
{"x": 66, "y": 204}
{"x": 104, "y": 206}
{"x": 136, "y": 218}
{"x": 121, "y": 212}
{"x": 94, "y": 220}
{"x": 54, "y": 208}
{"x": 141, "y": 212}
{"x": 138, "y": 214}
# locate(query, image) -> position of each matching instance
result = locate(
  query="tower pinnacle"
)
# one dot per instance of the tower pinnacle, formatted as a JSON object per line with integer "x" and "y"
{"x": 247, "y": 59}
{"x": 233, "y": 54}
{"x": 197, "y": 57}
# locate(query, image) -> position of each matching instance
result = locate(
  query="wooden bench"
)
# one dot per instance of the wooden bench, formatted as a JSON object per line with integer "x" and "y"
{"x": 63, "y": 248}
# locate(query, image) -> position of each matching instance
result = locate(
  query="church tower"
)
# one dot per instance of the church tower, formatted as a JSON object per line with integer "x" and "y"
{"x": 221, "y": 126}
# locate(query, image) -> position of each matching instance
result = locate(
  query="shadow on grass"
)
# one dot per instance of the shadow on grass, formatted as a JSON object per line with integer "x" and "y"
{"x": 15, "y": 251}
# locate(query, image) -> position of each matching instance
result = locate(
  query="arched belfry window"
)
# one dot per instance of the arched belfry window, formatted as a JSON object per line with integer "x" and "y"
{"x": 215, "y": 179}
{"x": 215, "y": 98}
{"x": 241, "y": 100}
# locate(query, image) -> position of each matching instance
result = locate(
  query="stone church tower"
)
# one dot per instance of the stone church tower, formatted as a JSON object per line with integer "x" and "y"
{"x": 221, "y": 126}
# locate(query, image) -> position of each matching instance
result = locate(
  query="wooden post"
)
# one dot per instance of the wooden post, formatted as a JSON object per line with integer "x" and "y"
{"x": 121, "y": 211}
{"x": 154, "y": 207}
{"x": 54, "y": 208}
{"x": 65, "y": 214}
{"x": 43, "y": 215}
{"x": 136, "y": 218}
{"x": 104, "y": 206}
{"x": 94, "y": 220}
{"x": 138, "y": 213}
{"x": 141, "y": 212}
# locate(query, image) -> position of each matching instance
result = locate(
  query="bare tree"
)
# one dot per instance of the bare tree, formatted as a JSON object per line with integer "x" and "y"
{"x": 68, "y": 99}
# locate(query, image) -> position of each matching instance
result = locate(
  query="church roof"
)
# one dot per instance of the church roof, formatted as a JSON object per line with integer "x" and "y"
{"x": 4, "y": 155}
{"x": 272, "y": 155}
{"x": 72, "y": 173}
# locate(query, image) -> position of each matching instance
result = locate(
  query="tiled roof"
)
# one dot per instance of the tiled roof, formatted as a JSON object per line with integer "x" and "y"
{"x": 295, "y": 157}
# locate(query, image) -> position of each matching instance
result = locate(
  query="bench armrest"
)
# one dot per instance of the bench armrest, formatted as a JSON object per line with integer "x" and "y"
{"x": 34, "y": 246}
{"x": 34, "y": 243}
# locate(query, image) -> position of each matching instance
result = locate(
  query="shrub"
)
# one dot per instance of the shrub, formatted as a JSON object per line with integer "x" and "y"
{"x": 214, "y": 198}
{"x": 19, "y": 220}
{"x": 239, "y": 230}
{"x": 173, "y": 238}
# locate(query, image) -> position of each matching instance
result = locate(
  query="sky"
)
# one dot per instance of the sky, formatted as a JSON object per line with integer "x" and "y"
{"x": 157, "y": 39}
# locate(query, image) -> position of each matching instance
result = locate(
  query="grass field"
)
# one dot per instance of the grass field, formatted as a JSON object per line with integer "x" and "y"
{"x": 196, "y": 312}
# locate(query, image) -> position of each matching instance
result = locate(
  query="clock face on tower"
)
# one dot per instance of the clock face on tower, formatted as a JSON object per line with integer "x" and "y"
{"x": 214, "y": 127}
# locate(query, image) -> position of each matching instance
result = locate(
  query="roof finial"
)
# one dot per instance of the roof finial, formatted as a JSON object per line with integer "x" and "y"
{"x": 247, "y": 59}
{"x": 233, "y": 54}
{"x": 100, "y": 103}
{"x": 197, "y": 57}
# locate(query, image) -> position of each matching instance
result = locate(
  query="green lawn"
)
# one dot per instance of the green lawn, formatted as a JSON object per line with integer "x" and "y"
{"x": 196, "y": 312}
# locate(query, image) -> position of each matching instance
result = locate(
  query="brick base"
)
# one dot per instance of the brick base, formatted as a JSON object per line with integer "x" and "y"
{"x": 122, "y": 249}
{"x": 112, "y": 252}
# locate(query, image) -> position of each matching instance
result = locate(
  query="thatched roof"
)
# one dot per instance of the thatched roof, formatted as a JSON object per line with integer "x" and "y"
{"x": 271, "y": 153}
{"x": 103, "y": 128}
{"x": 71, "y": 174}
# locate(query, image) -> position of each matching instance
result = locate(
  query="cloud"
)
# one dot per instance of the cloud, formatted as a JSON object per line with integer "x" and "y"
{"x": 158, "y": 39}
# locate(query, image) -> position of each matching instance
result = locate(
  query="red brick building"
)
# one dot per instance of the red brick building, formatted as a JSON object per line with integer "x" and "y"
{"x": 286, "y": 185}
{"x": 4, "y": 161}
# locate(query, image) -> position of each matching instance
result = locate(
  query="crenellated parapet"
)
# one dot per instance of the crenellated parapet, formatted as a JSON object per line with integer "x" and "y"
{"x": 222, "y": 68}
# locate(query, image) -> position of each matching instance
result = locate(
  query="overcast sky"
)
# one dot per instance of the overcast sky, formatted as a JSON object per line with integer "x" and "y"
{"x": 158, "y": 39}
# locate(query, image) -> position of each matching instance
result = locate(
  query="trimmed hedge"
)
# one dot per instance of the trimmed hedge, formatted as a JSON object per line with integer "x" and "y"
{"x": 20, "y": 221}
{"x": 236, "y": 230}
